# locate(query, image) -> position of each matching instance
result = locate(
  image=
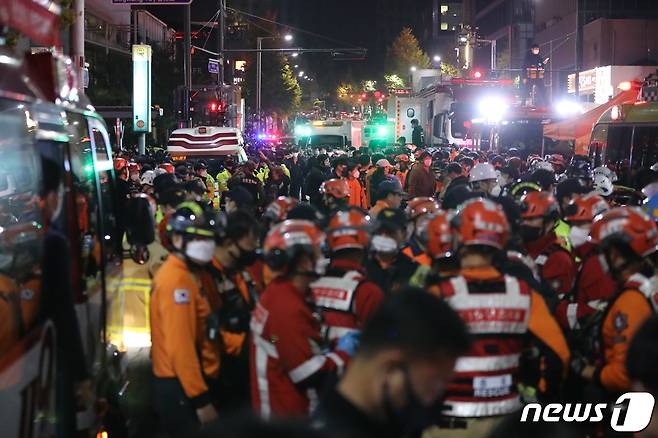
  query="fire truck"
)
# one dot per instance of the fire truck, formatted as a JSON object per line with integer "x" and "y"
{"x": 475, "y": 113}
{"x": 625, "y": 137}
{"x": 44, "y": 117}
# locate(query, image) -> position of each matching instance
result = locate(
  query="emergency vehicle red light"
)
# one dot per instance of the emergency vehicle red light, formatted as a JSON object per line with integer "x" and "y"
{"x": 477, "y": 74}
{"x": 213, "y": 107}
{"x": 468, "y": 124}
{"x": 625, "y": 86}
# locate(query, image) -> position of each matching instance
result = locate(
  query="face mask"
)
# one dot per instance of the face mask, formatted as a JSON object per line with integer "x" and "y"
{"x": 356, "y": 173}
{"x": 529, "y": 233}
{"x": 384, "y": 244}
{"x": 245, "y": 258}
{"x": 495, "y": 191}
{"x": 200, "y": 251}
{"x": 578, "y": 236}
{"x": 413, "y": 415}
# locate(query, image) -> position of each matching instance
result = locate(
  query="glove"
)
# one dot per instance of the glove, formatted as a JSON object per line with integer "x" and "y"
{"x": 349, "y": 342}
{"x": 577, "y": 364}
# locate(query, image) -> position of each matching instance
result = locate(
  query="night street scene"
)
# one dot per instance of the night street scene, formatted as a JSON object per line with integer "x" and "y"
{"x": 328, "y": 218}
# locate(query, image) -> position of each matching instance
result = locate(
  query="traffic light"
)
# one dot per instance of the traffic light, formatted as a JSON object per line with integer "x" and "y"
{"x": 479, "y": 73}
{"x": 364, "y": 95}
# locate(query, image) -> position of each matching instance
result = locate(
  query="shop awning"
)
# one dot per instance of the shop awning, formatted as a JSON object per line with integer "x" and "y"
{"x": 580, "y": 128}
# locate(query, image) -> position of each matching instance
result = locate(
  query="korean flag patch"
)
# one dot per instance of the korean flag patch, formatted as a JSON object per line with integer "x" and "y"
{"x": 181, "y": 296}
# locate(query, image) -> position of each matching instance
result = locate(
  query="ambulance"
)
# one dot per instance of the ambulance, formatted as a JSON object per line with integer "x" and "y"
{"x": 43, "y": 300}
{"x": 207, "y": 142}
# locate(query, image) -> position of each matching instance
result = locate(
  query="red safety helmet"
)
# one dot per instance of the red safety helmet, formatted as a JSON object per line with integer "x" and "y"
{"x": 585, "y": 208}
{"x": 436, "y": 234}
{"x": 168, "y": 167}
{"x": 558, "y": 162}
{"x": 348, "y": 229}
{"x": 287, "y": 240}
{"x": 629, "y": 226}
{"x": 120, "y": 164}
{"x": 133, "y": 167}
{"x": 420, "y": 206}
{"x": 338, "y": 188}
{"x": 481, "y": 222}
{"x": 278, "y": 210}
{"x": 539, "y": 204}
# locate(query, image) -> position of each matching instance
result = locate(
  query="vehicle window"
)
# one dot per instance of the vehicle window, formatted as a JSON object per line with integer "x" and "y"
{"x": 598, "y": 144}
{"x": 86, "y": 206}
{"x": 645, "y": 147}
{"x": 618, "y": 151}
{"x": 103, "y": 167}
{"x": 21, "y": 227}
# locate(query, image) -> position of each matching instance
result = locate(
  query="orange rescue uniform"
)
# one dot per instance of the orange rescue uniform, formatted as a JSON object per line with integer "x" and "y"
{"x": 624, "y": 315}
{"x": 180, "y": 345}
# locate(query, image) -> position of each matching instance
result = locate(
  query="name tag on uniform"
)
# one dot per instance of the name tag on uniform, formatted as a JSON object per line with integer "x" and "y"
{"x": 181, "y": 296}
{"x": 494, "y": 386}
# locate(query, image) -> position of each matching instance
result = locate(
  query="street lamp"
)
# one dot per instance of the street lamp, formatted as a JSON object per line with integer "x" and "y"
{"x": 259, "y": 70}
{"x": 295, "y": 55}
{"x": 437, "y": 58}
{"x": 413, "y": 68}
{"x": 296, "y": 66}
{"x": 301, "y": 73}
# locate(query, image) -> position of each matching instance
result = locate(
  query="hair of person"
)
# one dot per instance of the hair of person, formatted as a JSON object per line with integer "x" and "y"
{"x": 642, "y": 357}
{"x": 364, "y": 160}
{"x": 416, "y": 322}
{"x": 240, "y": 223}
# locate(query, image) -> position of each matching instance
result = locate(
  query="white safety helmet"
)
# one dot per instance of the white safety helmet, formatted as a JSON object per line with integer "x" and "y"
{"x": 543, "y": 165}
{"x": 602, "y": 185}
{"x": 482, "y": 172}
{"x": 157, "y": 172}
{"x": 605, "y": 171}
{"x": 147, "y": 178}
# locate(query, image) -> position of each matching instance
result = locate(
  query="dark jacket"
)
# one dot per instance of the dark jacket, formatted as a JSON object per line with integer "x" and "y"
{"x": 396, "y": 276}
{"x": 421, "y": 182}
{"x": 312, "y": 183}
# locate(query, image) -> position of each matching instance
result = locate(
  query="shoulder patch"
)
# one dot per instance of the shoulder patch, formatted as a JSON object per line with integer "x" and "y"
{"x": 621, "y": 321}
{"x": 181, "y": 296}
{"x": 27, "y": 294}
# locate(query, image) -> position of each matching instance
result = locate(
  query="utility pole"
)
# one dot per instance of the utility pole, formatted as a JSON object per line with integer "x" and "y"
{"x": 222, "y": 30}
{"x": 579, "y": 51}
{"x": 259, "y": 79}
{"x": 78, "y": 41}
{"x": 187, "y": 63}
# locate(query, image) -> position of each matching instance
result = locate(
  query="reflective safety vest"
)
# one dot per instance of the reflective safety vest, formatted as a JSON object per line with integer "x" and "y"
{"x": 213, "y": 191}
{"x": 497, "y": 314}
{"x": 334, "y": 297}
{"x": 129, "y": 318}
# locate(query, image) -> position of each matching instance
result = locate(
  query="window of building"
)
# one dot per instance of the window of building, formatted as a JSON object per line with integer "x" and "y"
{"x": 444, "y": 26}
{"x": 444, "y": 9}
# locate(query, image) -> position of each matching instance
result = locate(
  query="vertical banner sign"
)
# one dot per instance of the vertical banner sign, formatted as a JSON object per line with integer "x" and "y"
{"x": 141, "y": 88}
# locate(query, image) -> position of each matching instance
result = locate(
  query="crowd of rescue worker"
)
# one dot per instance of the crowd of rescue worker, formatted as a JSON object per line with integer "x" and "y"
{"x": 426, "y": 292}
